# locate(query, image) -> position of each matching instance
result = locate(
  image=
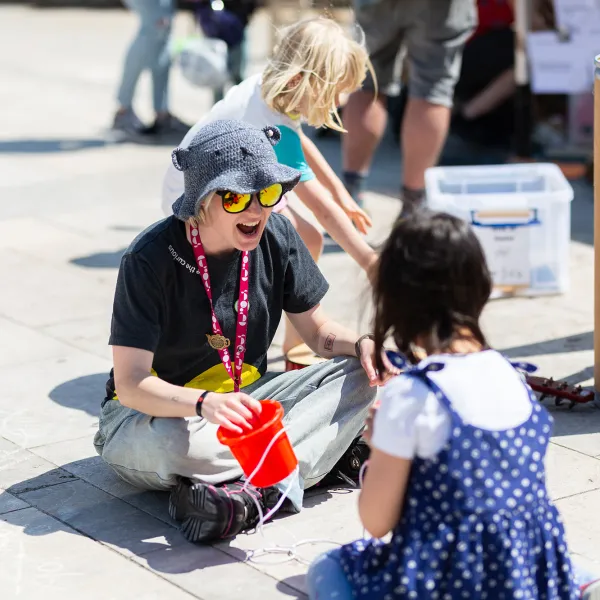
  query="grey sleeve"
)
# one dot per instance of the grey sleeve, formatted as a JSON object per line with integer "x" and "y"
{"x": 138, "y": 306}
{"x": 304, "y": 285}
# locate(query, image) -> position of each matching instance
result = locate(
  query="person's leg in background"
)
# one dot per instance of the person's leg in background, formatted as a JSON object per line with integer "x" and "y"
{"x": 313, "y": 240}
{"x": 236, "y": 65}
{"x": 160, "y": 65}
{"x": 145, "y": 50}
{"x": 434, "y": 44}
{"x": 326, "y": 580}
{"x": 365, "y": 113}
{"x": 435, "y": 33}
{"x": 161, "y": 61}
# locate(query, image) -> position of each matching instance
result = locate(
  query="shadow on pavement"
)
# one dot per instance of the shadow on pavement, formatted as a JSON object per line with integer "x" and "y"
{"x": 108, "y": 510}
{"x": 124, "y": 524}
{"x": 582, "y": 341}
{"x": 50, "y": 146}
{"x": 582, "y": 418}
{"x": 292, "y": 585}
{"x": 128, "y": 522}
{"x": 100, "y": 260}
{"x": 57, "y": 145}
{"x": 82, "y": 393}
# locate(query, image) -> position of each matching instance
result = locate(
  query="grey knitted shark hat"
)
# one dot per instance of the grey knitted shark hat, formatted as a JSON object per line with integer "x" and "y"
{"x": 229, "y": 155}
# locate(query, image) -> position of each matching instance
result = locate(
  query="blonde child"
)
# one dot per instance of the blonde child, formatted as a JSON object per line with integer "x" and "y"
{"x": 315, "y": 62}
{"x": 457, "y": 446}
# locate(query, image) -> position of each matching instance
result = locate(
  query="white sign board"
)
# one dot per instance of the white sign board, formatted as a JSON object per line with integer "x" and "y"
{"x": 562, "y": 66}
{"x": 576, "y": 16}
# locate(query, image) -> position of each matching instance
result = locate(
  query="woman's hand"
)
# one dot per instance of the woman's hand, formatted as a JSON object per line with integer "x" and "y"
{"x": 235, "y": 411}
{"x": 359, "y": 217}
{"x": 367, "y": 360}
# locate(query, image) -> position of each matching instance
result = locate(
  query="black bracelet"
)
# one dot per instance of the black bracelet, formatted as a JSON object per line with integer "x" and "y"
{"x": 199, "y": 403}
{"x": 369, "y": 336}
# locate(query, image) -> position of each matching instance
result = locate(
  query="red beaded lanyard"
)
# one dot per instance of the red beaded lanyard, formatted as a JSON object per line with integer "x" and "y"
{"x": 218, "y": 341}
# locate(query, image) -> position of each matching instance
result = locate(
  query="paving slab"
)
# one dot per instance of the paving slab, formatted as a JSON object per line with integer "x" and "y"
{"x": 42, "y": 557}
{"x": 10, "y": 503}
{"x": 72, "y": 201}
{"x": 582, "y": 526}
{"x": 24, "y": 345}
{"x": 104, "y": 518}
{"x": 52, "y": 400}
{"x": 330, "y": 517}
{"x": 54, "y": 294}
{"x": 209, "y": 573}
{"x": 578, "y": 429}
{"x": 517, "y": 322}
{"x": 22, "y": 471}
{"x": 56, "y": 243}
{"x": 89, "y": 335}
{"x": 78, "y": 457}
{"x": 68, "y": 452}
{"x": 570, "y": 473}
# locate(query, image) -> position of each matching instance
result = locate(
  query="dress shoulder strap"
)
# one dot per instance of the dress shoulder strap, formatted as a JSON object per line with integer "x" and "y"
{"x": 523, "y": 368}
{"x": 401, "y": 362}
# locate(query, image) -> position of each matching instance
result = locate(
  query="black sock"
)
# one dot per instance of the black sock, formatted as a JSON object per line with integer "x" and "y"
{"x": 412, "y": 200}
{"x": 355, "y": 183}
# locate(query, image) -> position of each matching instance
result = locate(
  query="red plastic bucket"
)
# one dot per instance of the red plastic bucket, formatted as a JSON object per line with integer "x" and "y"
{"x": 249, "y": 447}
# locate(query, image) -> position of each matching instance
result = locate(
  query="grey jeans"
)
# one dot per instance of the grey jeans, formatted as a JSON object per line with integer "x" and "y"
{"x": 325, "y": 409}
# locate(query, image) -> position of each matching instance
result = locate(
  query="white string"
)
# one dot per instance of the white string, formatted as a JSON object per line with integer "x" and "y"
{"x": 361, "y": 473}
{"x": 290, "y": 552}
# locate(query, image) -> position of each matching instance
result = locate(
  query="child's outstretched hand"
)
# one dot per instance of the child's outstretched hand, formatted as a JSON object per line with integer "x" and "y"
{"x": 359, "y": 217}
{"x": 367, "y": 360}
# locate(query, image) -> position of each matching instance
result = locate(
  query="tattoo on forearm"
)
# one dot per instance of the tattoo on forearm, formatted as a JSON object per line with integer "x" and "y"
{"x": 329, "y": 342}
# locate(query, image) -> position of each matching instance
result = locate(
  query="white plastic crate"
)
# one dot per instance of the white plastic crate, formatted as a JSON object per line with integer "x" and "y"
{"x": 521, "y": 214}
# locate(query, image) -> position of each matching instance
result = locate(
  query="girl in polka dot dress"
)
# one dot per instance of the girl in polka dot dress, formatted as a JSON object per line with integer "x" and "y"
{"x": 458, "y": 442}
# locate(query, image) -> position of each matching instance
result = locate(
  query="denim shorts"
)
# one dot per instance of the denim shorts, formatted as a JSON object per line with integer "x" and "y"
{"x": 431, "y": 33}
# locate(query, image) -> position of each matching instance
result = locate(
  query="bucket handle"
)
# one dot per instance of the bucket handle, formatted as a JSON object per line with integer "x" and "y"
{"x": 478, "y": 218}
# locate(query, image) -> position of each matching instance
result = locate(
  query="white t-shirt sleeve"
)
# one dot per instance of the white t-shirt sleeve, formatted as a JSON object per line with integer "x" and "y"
{"x": 410, "y": 420}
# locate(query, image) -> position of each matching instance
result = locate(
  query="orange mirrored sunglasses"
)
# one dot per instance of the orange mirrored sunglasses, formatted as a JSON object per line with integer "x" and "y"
{"x": 236, "y": 203}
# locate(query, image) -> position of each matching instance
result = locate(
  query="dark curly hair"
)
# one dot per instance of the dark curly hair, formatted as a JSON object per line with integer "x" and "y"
{"x": 431, "y": 284}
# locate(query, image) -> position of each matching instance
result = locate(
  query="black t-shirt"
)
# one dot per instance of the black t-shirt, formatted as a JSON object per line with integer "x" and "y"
{"x": 161, "y": 305}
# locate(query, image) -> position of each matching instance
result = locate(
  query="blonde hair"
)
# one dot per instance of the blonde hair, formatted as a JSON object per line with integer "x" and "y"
{"x": 201, "y": 216}
{"x": 315, "y": 61}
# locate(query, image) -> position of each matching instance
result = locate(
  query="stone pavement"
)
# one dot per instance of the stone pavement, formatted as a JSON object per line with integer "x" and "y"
{"x": 69, "y": 204}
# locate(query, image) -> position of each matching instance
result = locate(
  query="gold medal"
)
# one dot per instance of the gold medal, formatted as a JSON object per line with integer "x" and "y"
{"x": 218, "y": 342}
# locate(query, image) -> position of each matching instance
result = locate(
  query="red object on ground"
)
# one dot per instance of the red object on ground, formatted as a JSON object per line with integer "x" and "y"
{"x": 559, "y": 390}
{"x": 248, "y": 448}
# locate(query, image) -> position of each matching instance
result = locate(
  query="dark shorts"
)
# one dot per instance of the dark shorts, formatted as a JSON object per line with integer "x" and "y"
{"x": 431, "y": 32}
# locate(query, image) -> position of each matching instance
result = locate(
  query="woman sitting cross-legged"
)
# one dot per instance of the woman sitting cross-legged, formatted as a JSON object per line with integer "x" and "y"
{"x": 199, "y": 297}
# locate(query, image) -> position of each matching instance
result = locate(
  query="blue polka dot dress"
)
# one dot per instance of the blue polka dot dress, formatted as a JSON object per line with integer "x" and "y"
{"x": 477, "y": 522}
